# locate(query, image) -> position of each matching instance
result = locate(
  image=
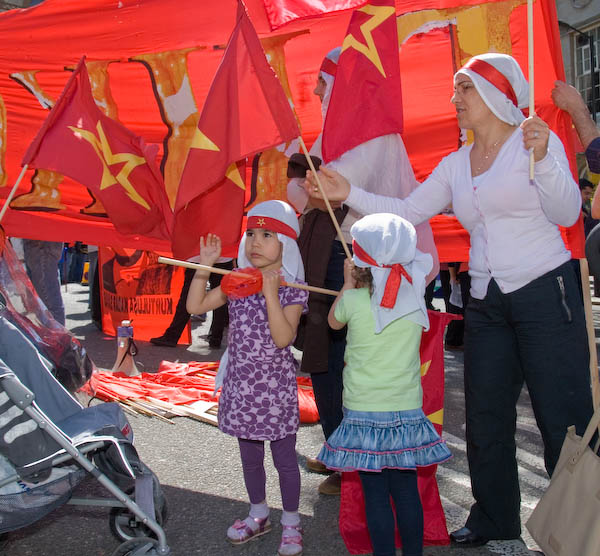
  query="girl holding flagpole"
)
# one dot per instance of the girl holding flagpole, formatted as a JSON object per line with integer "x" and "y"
{"x": 259, "y": 396}
{"x": 525, "y": 322}
{"x": 384, "y": 434}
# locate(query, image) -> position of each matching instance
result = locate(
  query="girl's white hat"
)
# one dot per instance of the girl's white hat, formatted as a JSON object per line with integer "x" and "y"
{"x": 501, "y": 84}
{"x": 387, "y": 244}
{"x": 279, "y": 217}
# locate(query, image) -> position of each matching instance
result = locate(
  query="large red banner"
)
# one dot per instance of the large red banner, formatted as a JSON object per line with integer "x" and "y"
{"x": 151, "y": 64}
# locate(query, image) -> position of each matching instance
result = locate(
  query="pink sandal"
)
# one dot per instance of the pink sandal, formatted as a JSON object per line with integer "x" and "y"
{"x": 292, "y": 541}
{"x": 245, "y": 533}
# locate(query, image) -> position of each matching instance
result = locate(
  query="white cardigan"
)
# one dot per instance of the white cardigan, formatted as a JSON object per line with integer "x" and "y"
{"x": 512, "y": 224}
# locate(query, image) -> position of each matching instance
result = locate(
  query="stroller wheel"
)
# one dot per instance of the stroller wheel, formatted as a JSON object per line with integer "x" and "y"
{"x": 125, "y": 526}
{"x": 141, "y": 546}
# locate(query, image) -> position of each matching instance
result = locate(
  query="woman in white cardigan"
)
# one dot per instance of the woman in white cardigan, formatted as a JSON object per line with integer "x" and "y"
{"x": 525, "y": 322}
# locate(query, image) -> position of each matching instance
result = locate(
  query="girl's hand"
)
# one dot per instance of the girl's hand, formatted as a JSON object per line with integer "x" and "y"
{"x": 535, "y": 135}
{"x": 349, "y": 280}
{"x": 271, "y": 282}
{"x": 336, "y": 186}
{"x": 210, "y": 249}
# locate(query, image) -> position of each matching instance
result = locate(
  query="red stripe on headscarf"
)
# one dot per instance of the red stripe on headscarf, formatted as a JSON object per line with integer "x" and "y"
{"x": 390, "y": 293}
{"x": 328, "y": 66}
{"x": 271, "y": 224}
{"x": 494, "y": 76}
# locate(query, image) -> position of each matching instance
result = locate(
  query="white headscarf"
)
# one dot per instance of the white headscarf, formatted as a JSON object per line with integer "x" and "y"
{"x": 292, "y": 267}
{"x": 502, "y": 86}
{"x": 391, "y": 243}
{"x": 328, "y": 65}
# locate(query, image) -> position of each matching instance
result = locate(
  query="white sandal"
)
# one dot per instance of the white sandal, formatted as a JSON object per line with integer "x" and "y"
{"x": 240, "y": 532}
{"x": 291, "y": 545}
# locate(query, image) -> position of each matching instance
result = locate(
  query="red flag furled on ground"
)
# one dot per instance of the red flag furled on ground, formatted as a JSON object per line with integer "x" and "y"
{"x": 78, "y": 140}
{"x": 246, "y": 111}
{"x": 366, "y": 100}
{"x": 353, "y": 524}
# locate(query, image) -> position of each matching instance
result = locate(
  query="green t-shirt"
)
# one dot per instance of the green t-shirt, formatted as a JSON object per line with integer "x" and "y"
{"x": 383, "y": 371}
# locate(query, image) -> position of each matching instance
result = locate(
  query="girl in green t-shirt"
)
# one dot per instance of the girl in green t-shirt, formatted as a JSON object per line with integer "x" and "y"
{"x": 384, "y": 434}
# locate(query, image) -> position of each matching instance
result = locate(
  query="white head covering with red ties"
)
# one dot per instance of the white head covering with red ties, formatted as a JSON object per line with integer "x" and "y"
{"x": 281, "y": 218}
{"x": 501, "y": 84}
{"x": 387, "y": 244}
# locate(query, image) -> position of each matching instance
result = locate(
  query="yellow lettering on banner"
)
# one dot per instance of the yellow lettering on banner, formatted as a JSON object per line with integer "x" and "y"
{"x": 173, "y": 91}
{"x": 108, "y": 158}
{"x": 378, "y": 15}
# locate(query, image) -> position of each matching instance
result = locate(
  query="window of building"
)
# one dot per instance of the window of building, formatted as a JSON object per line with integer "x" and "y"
{"x": 583, "y": 69}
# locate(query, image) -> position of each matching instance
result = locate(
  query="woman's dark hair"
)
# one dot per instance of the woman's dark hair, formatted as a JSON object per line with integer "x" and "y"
{"x": 363, "y": 277}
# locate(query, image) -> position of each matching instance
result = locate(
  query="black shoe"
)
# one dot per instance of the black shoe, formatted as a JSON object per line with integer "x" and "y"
{"x": 214, "y": 342}
{"x": 165, "y": 342}
{"x": 467, "y": 539}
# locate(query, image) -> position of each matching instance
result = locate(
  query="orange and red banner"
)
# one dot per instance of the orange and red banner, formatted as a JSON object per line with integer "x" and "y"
{"x": 134, "y": 286}
{"x": 151, "y": 65}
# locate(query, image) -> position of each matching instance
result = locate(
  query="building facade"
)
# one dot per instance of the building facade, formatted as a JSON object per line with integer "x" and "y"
{"x": 579, "y": 23}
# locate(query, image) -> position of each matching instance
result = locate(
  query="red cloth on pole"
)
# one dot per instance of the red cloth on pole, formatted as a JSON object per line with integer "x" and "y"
{"x": 246, "y": 111}
{"x": 78, "y": 140}
{"x": 366, "y": 100}
{"x": 353, "y": 524}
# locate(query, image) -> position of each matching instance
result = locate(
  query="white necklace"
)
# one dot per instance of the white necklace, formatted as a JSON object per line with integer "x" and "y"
{"x": 486, "y": 156}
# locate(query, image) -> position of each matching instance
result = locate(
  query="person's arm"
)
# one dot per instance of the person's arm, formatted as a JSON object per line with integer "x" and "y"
{"x": 566, "y": 97}
{"x": 198, "y": 301}
{"x": 349, "y": 284}
{"x": 427, "y": 200}
{"x": 283, "y": 321}
{"x": 559, "y": 194}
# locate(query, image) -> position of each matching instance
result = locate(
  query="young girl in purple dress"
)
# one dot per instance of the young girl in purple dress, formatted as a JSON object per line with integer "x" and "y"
{"x": 259, "y": 396}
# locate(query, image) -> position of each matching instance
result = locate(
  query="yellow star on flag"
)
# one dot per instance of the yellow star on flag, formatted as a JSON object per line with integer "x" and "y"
{"x": 108, "y": 158}
{"x": 261, "y": 222}
{"x": 202, "y": 142}
{"x": 378, "y": 15}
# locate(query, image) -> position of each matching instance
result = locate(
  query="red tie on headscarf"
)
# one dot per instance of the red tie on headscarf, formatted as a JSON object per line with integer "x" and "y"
{"x": 394, "y": 279}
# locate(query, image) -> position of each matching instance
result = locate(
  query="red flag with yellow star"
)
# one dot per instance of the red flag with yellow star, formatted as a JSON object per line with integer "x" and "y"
{"x": 246, "y": 111}
{"x": 78, "y": 140}
{"x": 366, "y": 98}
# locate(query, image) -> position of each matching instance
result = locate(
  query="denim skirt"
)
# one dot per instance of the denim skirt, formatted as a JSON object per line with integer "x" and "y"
{"x": 376, "y": 440}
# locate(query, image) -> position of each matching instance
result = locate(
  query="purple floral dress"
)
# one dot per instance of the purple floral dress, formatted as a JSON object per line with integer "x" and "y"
{"x": 259, "y": 398}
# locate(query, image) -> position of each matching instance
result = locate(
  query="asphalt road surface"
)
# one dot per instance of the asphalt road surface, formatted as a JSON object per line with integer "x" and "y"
{"x": 200, "y": 472}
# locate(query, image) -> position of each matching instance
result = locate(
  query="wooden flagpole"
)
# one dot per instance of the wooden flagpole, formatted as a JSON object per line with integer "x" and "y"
{"x": 187, "y": 264}
{"x": 591, "y": 334}
{"x": 327, "y": 204}
{"x": 12, "y": 192}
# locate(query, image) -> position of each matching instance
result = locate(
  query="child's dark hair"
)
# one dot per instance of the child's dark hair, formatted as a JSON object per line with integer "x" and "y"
{"x": 363, "y": 277}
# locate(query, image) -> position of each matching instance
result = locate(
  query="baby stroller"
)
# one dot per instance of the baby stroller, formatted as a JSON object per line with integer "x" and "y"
{"x": 49, "y": 442}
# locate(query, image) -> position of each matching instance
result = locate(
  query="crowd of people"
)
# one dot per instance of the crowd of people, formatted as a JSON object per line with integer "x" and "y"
{"x": 524, "y": 321}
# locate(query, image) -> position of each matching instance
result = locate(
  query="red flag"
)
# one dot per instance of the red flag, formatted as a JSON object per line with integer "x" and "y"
{"x": 366, "y": 98}
{"x": 246, "y": 111}
{"x": 353, "y": 524}
{"x": 78, "y": 140}
{"x": 218, "y": 210}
